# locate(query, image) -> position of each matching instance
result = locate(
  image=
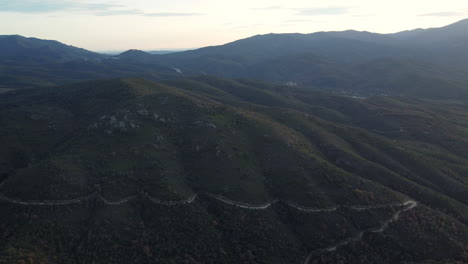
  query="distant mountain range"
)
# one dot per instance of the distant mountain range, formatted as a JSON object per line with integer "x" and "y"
{"x": 424, "y": 62}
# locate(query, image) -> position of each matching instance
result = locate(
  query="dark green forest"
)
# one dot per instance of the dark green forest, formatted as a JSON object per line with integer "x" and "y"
{"x": 247, "y": 141}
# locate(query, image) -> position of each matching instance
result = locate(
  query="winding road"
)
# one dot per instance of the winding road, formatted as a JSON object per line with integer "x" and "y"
{"x": 118, "y": 202}
{"x": 310, "y": 209}
{"x": 409, "y": 205}
{"x": 48, "y": 202}
{"x": 243, "y": 205}
{"x": 97, "y": 196}
{"x": 190, "y": 200}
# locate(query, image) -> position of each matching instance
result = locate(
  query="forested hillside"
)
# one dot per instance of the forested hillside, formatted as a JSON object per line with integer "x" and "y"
{"x": 208, "y": 170}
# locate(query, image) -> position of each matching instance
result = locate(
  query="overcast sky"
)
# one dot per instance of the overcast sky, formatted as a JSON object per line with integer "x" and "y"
{"x": 177, "y": 24}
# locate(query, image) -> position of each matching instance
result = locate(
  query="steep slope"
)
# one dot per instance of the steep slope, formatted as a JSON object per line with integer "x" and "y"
{"x": 218, "y": 171}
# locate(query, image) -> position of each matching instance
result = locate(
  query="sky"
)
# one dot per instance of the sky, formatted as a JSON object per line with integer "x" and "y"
{"x": 101, "y": 25}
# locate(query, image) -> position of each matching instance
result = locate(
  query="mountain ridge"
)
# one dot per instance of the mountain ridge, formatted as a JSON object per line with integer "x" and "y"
{"x": 16, "y": 45}
{"x": 331, "y": 61}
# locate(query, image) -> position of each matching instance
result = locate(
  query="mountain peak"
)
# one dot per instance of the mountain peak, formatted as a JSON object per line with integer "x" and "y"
{"x": 135, "y": 54}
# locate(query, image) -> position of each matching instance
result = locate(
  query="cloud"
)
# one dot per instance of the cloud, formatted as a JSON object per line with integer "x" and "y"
{"x": 297, "y": 20}
{"x": 170, "y": 14}
{"x": 119, "y": 12}
{"x": 98, "y": 9}
{"x": 323, "y": 11}
{"x": 140, "y": 13}
{"x": 319, "y": 11}
{"x": 445, "y": 14}
{"x": 268, "y": 8}
{"x": 48, "y": 6}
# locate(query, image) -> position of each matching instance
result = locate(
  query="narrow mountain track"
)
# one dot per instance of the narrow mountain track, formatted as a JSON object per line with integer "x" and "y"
{"x": 371, "y": 207}
{"x": 118, "y": 202}
{"x": 302, "y": 208}
{"x": 192, "y": 199}
{"x": 243, "y": 205}
{"x": 409, "y": 205}
{"x": 49, "y": 202}
{"x": 310, "y": 209}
